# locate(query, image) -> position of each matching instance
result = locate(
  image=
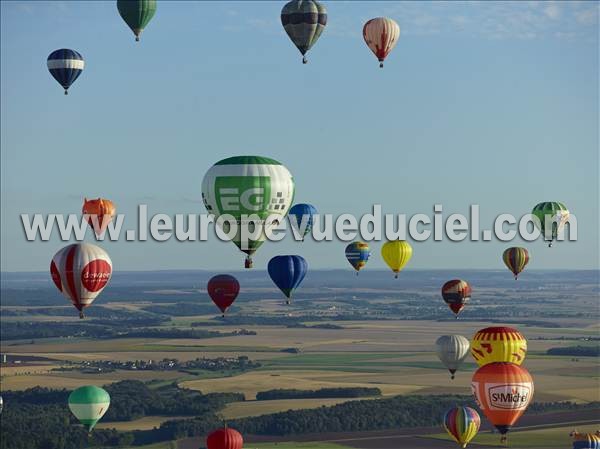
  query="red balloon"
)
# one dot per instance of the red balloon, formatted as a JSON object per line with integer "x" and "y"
{"x": 456, "y": 294}
{"x": 226, "y": 438}
{"x": 223, "y": 289}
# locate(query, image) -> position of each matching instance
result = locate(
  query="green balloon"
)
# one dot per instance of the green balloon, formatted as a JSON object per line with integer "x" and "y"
{"x": 89, "y": 404}
{"x": 243, "y": 186}
{"x": 551, "y": 213}
{"x": 137, "y": 14}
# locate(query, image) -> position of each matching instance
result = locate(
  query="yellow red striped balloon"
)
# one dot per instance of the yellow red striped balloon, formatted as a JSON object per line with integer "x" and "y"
{"x": 498, "y": 344}
{"x": 396, "y": 254}
{"x": 515, "y": 259}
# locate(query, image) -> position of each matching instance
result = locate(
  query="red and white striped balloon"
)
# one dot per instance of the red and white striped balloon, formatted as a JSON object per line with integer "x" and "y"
{"x": 81, "y": 271}
{"x": 381, "y": 35}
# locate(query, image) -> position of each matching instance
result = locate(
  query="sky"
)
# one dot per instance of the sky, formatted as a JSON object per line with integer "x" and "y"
{"x": 487, "y": 103}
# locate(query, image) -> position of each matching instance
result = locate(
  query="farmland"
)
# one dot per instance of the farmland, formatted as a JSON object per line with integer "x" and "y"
{"x": 308, "y": 351}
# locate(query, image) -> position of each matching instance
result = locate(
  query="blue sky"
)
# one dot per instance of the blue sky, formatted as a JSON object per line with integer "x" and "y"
{"x": 488, "y": 103}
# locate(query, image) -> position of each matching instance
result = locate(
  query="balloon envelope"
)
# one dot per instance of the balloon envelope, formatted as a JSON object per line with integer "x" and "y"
{"x": 245, "y": 186}
{"x": 498, "y": 344}
{"x": 304, "y": 22}
{"x": 502, "y": 391}
{"x": 381, "y": 35}
{"x": 302, "y": 215}
{"x": 223, "y": 289}
{"x": 100, "y": 211}
{"x": 226, "y": 438}
{"x": 287, "y": 272}
{"x": 396, "y": 254}
{"x": 89, "y": 404}
{"x": 586, "y": 440}
{"x": 462, "y": 424}
{"x": 456, "y": 294}
{"x": 81, "y": 271}
{"x": 452, "y": 350}
{"x": 65, "y": 66}
{"x": 515, "y": 259}
{"x": 136, "y": 14}
{"x": 358, "y": 254}
{"x": 550, "y": 219}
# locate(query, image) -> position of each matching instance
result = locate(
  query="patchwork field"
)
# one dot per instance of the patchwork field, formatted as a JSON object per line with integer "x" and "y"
{"x": 395, "y": 356}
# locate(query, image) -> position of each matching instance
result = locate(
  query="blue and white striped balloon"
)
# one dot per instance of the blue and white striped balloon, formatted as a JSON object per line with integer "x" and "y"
{"x": 65, "y": 66}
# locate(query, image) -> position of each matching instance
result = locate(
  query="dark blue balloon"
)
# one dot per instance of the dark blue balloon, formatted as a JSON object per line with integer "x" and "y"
{"x": 65, "y": 66}
{"x": 287, "y": 272}
{"x": 298, "y": 212}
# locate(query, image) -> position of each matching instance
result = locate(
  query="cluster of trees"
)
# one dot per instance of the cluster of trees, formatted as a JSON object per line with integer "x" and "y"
{"x": 39, "y": 418}
{"x": 106, "y": 329}
{"x": 350, "y": 392}
{"x": 576, "y": 351}
{"x": 132, "y": 399}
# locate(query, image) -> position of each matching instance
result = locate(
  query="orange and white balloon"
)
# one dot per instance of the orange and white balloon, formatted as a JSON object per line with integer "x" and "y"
{"x": 81, "y": 271}
{"x": 381, "y": 35}
{"x": 502, "y": 391}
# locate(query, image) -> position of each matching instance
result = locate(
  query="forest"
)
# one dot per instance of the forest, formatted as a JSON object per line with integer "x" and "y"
{"x": 38, "y": 418}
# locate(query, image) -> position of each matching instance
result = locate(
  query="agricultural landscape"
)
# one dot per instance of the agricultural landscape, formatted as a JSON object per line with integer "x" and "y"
{"x": 351, "y": 347}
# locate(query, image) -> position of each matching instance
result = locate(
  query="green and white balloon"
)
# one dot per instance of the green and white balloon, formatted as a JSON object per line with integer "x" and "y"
{"x": 89, "y": 404}
{"x": 551, "y": 219}
{"x": 243, "y": 186}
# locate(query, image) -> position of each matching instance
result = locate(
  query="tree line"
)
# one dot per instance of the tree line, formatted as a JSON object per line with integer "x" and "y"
{"x": 349, "y": 392}
{"x": 576, "y": 351}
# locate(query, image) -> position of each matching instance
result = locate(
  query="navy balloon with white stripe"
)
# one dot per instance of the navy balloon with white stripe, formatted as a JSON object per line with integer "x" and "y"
{"x": 65, "y": 66}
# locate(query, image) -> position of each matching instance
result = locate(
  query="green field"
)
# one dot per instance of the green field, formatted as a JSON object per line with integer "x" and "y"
{"x": 554, "y": 438}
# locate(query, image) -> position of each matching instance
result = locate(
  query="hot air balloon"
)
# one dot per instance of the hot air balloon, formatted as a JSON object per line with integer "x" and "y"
{"x": 498, "y": 344}
{"x": 452, "y": 350}
{"x": 300, "y": 212}
{"x": 456, "y": 294}
{"x": 65, "y": 66}
{"x": 304, "y": 21}
{"x": 225, "y": 438}
{"x": 502, "y": 391}
{"x": 585, "y": 440}
{"x": 462, "y": 424}
{"x": 396, "y": 254}
{"x": 81, "y": 271}
{"x": 515, "y": 259}
{"x": 100, "y": 211}
{"x": 358, "y": 254}
{"x": 381, "y": 35}
{"x": 552, "y": 214}
{"x": 223, "y": 289}
{"x": 287, "y": 272}
{"x": 248, "y": 185}
{"x": 137, "y": 14}
{"x": 89, "y": 404}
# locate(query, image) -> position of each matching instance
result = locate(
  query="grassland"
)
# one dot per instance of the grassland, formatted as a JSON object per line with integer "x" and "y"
{"x": 554, "y": 438}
